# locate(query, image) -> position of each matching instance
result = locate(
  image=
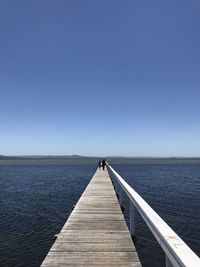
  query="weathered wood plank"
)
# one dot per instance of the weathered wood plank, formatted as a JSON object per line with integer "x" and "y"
{"x": 93, "y": 259}
{"x": 92, "y": 246}
{"x": 93, "y": 236}
{"x": 95, "y": 233}
{"x": 96, "y": 226}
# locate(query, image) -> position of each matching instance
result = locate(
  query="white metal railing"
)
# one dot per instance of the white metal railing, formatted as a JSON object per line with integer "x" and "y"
{"x": 178, "y": 254}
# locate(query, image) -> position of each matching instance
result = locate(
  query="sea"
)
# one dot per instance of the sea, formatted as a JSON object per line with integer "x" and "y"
{"x": 37, "y": 197}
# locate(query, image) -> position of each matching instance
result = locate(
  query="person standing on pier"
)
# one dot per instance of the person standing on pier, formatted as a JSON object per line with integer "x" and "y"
{"x": 99, "y": 164}
{"x": 103, "y": 163}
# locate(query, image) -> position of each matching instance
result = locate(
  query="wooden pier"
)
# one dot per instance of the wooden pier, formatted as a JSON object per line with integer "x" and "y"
{"x": 96, "y": 233}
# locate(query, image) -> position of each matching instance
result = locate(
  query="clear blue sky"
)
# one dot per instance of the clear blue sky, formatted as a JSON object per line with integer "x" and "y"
{"x": 104, "y": 77}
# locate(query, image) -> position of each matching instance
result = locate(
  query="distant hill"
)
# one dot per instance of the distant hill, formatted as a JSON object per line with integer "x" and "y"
{"x": 2, "y": 157}
{"x": 45, "y": 157}
{"x": 78, "y": 159}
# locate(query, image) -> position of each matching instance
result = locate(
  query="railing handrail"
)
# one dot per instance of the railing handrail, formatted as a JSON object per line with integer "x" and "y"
{"x": 176, "y": 250}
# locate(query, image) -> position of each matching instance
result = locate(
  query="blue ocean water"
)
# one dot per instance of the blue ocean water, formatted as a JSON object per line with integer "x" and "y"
{"x": 173, "y": 191}
{"x": 36, "y": 200}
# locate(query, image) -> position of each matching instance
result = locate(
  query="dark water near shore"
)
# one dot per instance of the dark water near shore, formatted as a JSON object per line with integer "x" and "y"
{"x": 36, "y": 200}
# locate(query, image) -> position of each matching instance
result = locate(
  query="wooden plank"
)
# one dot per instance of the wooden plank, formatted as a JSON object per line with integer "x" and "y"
{"x": 95, "y": 233}
{"x": 96, "y": 226}
{"x": 122, "y": 259}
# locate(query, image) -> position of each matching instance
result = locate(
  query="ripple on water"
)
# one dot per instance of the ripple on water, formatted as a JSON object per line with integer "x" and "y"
{"x": 35, "y": 202}
{"x": 173, "y": 190}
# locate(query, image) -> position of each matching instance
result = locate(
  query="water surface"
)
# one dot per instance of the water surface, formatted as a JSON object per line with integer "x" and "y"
{"x": 173, "y": 191}
{"x": 36, "y": 200}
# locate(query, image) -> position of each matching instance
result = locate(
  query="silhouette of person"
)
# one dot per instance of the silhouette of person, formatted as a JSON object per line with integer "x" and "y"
{"x": 103, "y": 163}
{"x": 99, "y": 164}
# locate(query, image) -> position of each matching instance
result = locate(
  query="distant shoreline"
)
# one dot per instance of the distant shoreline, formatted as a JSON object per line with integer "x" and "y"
{"x": 88, "y": 157}
{"x": 75, "y": 159}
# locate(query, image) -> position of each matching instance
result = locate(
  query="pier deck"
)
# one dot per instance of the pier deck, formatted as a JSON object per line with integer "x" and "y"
{"x": 96, "y": 233}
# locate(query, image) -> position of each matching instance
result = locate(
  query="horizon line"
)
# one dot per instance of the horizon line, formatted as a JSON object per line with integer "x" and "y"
{"x": 94, "y": 156}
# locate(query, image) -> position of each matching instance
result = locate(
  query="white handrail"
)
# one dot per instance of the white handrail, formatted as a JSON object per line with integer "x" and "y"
{"x": 178, "y": 254}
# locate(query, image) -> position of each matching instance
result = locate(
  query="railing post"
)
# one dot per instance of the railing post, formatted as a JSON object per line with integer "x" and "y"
{"x": 118, "y": 189}
{"x": 168, "y": 262}
{"x": 132, "y": 219}
{"x": 121, "y": 196}
{"x": 116, "y": 185}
